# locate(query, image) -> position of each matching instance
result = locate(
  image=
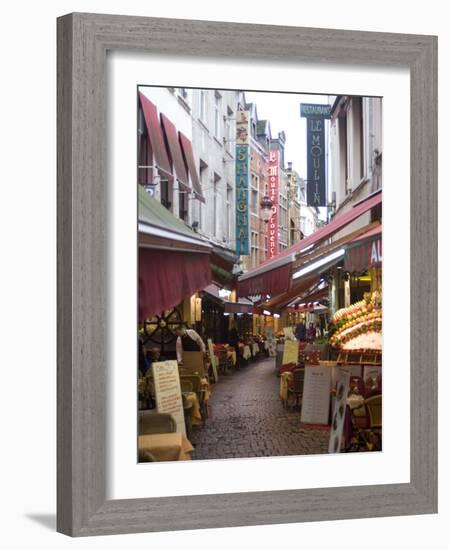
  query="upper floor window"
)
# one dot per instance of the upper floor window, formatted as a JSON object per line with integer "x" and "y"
{"x": 217, "y": 115}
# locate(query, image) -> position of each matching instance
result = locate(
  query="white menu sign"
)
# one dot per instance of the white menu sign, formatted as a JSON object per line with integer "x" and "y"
{"x": 316, "y": 395}
{"x": 168, "y": 392}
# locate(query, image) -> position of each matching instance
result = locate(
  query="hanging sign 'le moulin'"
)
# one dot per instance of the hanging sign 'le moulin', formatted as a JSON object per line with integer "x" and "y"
{"x": 316, "y": 152}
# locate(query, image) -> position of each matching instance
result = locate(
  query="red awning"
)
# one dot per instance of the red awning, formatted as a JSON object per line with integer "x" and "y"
{"x": 309, "y": 302}
{"x": 156, "y": 138}
{"x": 166, "y": 278}
{"x": 278, "y": 303}
{"x": 186, "y": 146}
{"x": 270, "y": 277}
{"x": 365, "y": 251}
{"x": 238, "y": 307}
{"x": 174, "y": 149}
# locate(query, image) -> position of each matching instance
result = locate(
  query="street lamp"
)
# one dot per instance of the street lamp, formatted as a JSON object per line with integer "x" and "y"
{"x": 266, "y": 206}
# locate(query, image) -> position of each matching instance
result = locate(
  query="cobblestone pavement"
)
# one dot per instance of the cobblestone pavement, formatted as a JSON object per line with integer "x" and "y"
{"x": 247, "y": 419}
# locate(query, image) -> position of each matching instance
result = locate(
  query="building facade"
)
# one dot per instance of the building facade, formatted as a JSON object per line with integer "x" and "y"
{"x": 356, "y": 153}
{"x": 356, "y": 157}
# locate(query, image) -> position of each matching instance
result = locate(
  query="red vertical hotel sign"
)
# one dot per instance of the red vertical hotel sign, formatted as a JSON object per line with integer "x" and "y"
{"x": 273, "y": 193}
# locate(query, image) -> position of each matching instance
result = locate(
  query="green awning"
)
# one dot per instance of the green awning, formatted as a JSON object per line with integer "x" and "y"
{"x": 156, "y": 220}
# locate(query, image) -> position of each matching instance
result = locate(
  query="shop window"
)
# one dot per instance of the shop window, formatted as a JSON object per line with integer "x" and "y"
{"x": 166, "y": 194}
{"x": 183, "y": 207}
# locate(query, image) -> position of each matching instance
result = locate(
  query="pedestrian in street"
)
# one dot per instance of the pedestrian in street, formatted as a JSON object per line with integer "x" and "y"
{"x": 188, "y": 340}
{"x": 233, "y": 336}
{"x": 311, "y": 333}
{"x": 300, "y": 331}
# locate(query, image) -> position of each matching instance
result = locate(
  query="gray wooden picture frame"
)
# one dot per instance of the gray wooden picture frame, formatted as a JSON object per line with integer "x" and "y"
{"x": 83, "y": 40}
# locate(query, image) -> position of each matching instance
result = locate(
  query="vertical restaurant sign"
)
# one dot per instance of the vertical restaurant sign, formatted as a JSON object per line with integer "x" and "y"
{"x": 316, "y": 152}
{"x": 242, "y": 127}
{"x": 273, "y": 193}
{"x": 241, "y": 200}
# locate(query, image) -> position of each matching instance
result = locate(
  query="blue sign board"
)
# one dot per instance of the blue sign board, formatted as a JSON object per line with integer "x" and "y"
{"x": 316, "y": 162}
{"x": 241, "y": 200}
{"x": 316, "y": 152}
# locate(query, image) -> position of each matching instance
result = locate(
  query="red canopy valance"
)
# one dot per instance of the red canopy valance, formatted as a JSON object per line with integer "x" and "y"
{"x": 166, "y": 278}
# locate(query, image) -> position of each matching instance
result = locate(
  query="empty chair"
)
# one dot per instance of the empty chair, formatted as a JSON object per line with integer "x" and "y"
{"x": 374, "y": 407}
{"x": 224, "y": 362}
{"x": 188, "y": 409}
{"x": 186, "y": 385}
{"x": 367, "y": 431}
{"x": 296, "y": 386}
{"x": 195, "y": 379}
{"x": 145, "y": 456}
{"x": 151, "y": 422}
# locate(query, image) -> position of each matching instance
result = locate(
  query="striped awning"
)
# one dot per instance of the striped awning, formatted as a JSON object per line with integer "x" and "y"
{"x": 364, "y": 252}
{"x": 156, "y": 137}
{"x": 174, "y": 150}
{"x": 186, "y": 146}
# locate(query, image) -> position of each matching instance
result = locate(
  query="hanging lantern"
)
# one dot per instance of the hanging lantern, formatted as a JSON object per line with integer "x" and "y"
{"x": 266, "y": 208}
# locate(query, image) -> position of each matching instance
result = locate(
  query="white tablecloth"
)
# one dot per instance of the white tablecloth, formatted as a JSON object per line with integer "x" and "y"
{"x": 246, "y": 352}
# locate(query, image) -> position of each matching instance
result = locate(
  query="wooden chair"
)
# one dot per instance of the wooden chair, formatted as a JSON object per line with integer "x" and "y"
{"x": 151, "y": 422}
{"x": 183, "y": 371}
{"x": 367, "y": 431}
{"x": 188, "y": 410}
{"x": 145, "y": 456}
{"x": 186, "y": 384}
{"x": 374, "y": 407}
{"x": 297, "y": 386}
{"x": 224, "y": 362}
{"x": 195, "y": 379}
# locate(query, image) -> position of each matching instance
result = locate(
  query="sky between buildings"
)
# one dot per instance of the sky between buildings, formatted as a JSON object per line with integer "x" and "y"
{"x": 282, "y": 110}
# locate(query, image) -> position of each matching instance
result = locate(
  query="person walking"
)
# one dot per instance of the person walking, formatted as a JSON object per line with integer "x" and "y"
{"x": 300, "y": 331}
{"x": 233, "y": 336}
{"x": 188, "y": 340}
{"x": 311, "y": 333}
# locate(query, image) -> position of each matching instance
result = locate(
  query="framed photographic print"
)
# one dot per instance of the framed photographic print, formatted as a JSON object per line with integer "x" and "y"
{"x": 246, "y": 233}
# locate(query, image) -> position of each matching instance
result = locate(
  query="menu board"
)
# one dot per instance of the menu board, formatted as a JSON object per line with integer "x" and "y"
{"x": 168, "y": 392}
{"x": 290, "y": 354}
{"x": 213, "y": 359}
{"x": 316, "y": 395}
{"x": 343, "y": 377}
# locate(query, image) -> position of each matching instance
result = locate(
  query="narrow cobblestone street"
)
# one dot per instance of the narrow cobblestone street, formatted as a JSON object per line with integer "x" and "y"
{"x": 247, "y": 419}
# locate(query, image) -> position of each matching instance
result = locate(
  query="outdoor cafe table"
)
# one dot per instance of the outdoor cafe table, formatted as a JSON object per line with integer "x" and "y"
{"x": 255, "y": 348}
{"x": 191, "y": 397}
{"x": 246, "y": 352}
{"x": 167, "y": 446}
{"x": 231, "y": 353}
